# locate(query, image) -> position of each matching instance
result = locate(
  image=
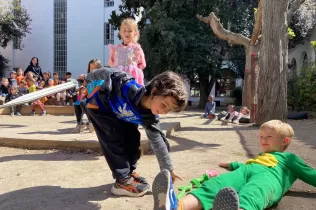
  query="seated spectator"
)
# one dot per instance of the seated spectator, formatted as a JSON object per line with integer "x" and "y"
{"x": 210, "y": 108}
{"x": 13, "y": 94}
{"x": 51, "y": 98}
{"x": 12, "y": 80}
{"x": 71, "y": 93}
{"x": 228, "y": 116}
{"x": 46, "y": 78}
{"x": 19, "y": 76}
{"x": 32, "y": 88}
{"x": 4, "y": 88}
{"x": 243, "y": 116}
{"x": 22, "y": 88}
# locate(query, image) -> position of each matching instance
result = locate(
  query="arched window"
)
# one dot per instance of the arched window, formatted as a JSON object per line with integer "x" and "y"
{"x": 305, "y": 59}
{"x": 292, "y": 71}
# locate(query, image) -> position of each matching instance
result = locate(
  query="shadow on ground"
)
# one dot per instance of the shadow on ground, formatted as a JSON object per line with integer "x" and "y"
{"x": 188, "y": 144}
{"x": 57, "y": 156}
{"x": 52, "y": 132}
{"x": 55, "y": 197}
{"x": 11, "y": 126}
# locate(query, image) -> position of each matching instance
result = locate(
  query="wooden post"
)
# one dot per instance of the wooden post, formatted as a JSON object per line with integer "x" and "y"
{"x": 245, "y": 93}
{"x": 253, "y": 86}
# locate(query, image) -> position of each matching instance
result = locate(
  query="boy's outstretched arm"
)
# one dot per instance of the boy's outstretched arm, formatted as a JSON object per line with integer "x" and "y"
{"x": 230, "y": 165}
{"x": 301, "y": 170}
{"x": 160, "y": 147}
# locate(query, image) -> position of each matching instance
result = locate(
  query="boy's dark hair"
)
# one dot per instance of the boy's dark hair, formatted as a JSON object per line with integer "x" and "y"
{"x": 55, "y": 73}
{"x": 169, "y": 84}
{"x": 46, "y": 73}
{"x": 68, "y": 73}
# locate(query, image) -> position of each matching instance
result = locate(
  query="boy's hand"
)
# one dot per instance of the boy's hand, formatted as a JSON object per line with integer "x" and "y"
{"x": 224, "y": 164}
{"x": 174, "y": 176}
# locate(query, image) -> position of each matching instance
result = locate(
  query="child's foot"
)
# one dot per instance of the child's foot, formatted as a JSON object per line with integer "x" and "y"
{"x": 11, "y": 114}
{"x": 223, "y": 118}
{"x": 236, "y": 122}
{"x": 33, "y": 113}
{"x": 91, "y": 128}
{"x": 226, "y": 199}
{"x": 139, "y": 178}
{"x": 164, "y": 197}
{"x": 18, "y": 114}
{"x": 129, "y": 187}
{"x": 78, "y": 128}
{"x": 43, "y": 112}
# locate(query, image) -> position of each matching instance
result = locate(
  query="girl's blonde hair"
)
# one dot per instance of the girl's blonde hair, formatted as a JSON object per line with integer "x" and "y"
{"x": 245, "y": 108}
{"x": 133, "y": 24}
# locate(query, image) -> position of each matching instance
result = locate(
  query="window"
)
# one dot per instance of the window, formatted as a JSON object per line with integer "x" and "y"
{"x": 108, "y": 34}
{"x": 60, "y": 37}
{"x": 16, "y": 43}
{"x": 108, "y": 3}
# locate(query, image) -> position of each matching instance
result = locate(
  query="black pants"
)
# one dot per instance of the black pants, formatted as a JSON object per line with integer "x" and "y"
{"x": 78, "y": 112}
{"x": 119, "y": 141}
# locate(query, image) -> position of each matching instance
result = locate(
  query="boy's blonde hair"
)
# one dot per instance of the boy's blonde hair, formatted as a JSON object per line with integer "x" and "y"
{"x": 133, "y": 24}
{"x": 281, "y": 128}
{"x": 4, "y": 79}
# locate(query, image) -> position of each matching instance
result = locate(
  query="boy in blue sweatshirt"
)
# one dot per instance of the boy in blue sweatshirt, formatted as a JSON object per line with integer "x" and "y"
{"x": 118, "y": 108}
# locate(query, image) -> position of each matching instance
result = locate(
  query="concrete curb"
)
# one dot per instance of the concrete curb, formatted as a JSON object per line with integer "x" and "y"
{"x": 75, "y": 145}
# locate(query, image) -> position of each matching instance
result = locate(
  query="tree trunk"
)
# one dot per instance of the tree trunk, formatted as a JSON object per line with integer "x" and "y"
{"x": 273, "y": 58}
{"x": 204, "y": 90}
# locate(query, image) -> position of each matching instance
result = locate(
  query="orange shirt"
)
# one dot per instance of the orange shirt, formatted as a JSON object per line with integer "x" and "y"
{"x": 19, "y": 79}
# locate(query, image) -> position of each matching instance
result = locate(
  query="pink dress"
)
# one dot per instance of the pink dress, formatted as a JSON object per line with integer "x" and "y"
{"x": 130, "y": 59}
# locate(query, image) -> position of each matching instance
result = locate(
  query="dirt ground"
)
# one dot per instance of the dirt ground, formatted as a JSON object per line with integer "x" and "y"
{"x": 49, "y": 179}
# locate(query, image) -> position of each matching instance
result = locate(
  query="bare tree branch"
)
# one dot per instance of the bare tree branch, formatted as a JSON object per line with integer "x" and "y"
{"x": 222, "y": 33}
{"x": 257, "y": 26}
{"x": 295, "y": 5}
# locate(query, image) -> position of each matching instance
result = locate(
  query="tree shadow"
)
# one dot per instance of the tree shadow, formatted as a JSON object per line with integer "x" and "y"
{"x": 11, "y": 126}
{"x": 217, "y": 129}
{"x": 57, "y": 156}
{"x": 56, "y": 197}
{"x": 61, "y": 131}
{"x": 187, "y": 144}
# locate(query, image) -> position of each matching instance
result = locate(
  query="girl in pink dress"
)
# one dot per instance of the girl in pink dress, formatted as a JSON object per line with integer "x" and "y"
{"x": 129, "y": 55}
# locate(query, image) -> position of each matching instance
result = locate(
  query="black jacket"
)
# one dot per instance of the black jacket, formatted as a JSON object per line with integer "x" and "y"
{"x": 37, "y": 71}
{"x": 11, "y": 97}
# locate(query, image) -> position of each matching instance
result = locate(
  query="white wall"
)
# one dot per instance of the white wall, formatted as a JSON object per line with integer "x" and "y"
{"x": 298, "y": 52}
{"x": 40, "y": 42}
{"x": 107, "y": 15}
{"x": 84, "y": 34}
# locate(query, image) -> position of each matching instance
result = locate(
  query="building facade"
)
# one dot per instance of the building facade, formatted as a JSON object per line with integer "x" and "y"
{"x": 302, "y": 54}
{"x": 65, "y": 35}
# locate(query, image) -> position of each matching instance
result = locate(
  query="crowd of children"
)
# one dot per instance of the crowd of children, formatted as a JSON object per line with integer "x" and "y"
{"x": 19, "y": 84}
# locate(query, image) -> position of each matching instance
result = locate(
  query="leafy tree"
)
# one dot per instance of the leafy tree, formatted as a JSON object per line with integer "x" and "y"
{"x": 175, "y": 40}
{"x": 304, "y": 20}
{"x": 14, "y": 25}
{"x": 268, "y": 86}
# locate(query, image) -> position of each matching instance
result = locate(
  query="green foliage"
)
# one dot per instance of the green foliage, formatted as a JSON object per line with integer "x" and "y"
{"x": 290, "y": 33}
{"x": 237, "y": 95}
{"x": 14, "y": 22}
{"x": 313, "y": 43}
{"x": 177, "y": 41}
{"x": 3, "y": 65}
{"x": 302, "y": 90}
